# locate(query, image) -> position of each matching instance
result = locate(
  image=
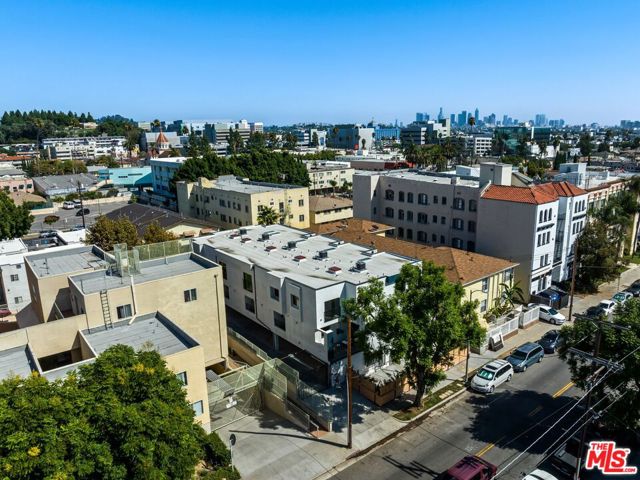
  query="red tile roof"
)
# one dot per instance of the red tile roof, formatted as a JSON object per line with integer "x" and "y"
{"x": 535, "y": 194}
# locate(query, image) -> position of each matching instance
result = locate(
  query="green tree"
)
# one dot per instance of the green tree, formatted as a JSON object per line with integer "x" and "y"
{"x": 511, "y": 294}
{"x": 586, "y": 148}
{"x": 314, "y": 139}
{"x": 15, "y": 221}
{"x": 123, "y": 416}
{"x": 621, "y": 387}
{"x": 333, "y": 185}
{"x": 235, "y": 141}
{"x": 597, "y": 257}
{"x": 419, "y": 325}
{"x": 105, "y": 233}
{"x": 51, "y": 219}
{"x": 268, "y": 216}
{"x": 256, "y": 140}
{"x": 289, "y": 141}
{"x": 154, "y": 233}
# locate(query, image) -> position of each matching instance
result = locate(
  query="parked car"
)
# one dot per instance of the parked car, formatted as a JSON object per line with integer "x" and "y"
{"x": 77, "y": 203}
{"x": 470, "y": 468}
{"x": 86, "y": 211}
{"x": 634, "y": 289}
{"x": 4, "y": 312}
{"x": 68, "y": 205}
{"x": 551, "y": 315}
{"x": 525, "y": 355}
{"x": 622, "y": 297}
{"x": 539, "y": 474}
{"x": 594, "y": 312}
{"x": 492, "y": 375}
{"x": 47, "y": 233}
{"x": 550, "y": 341}
{"x": 607, "y": 306}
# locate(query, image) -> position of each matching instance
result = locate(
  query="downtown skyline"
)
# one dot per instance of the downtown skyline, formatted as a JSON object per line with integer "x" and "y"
{"x": 293, "y": 62}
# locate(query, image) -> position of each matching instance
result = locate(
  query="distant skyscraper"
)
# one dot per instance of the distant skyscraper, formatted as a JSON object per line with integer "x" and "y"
{"x": 477, "y": 115}
{"x": 419, "y": 117}
{"x": 440, "y": 114}
{"x": 541, "y": 120}
{"x": 453, "y": 118}
{"x": 505, "y": 121}
{"x": 462, "y": 118}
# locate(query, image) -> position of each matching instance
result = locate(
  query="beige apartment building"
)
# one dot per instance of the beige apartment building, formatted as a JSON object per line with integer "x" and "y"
{"x": 231, "y": 202}
{"x": 329, "y": 176}
{"x": 325, "y": 209}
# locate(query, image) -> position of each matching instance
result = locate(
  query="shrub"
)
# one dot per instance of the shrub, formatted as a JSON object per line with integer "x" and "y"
{"x": 216, "y": 453}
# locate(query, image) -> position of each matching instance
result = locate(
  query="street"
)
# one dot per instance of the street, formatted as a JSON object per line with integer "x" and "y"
{"x": 68, "y": 218}
{"x": 496, "y": 427}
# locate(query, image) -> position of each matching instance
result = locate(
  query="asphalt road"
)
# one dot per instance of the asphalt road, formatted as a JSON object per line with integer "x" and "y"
{"x": 496, "y": 427}
{"x": 68, "y": 218}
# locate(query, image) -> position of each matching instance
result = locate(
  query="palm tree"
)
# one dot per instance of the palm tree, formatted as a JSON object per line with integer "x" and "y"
{"x": 333, "y": 184}
{"x": 472, "y": 122}
{"x": 511, "y": 294}
{"x": 268, "y": 216}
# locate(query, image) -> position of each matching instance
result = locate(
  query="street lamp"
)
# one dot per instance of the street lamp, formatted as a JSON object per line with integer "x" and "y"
{"x": 466, "y": 367}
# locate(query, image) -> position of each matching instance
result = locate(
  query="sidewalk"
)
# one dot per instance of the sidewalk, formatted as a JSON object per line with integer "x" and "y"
{"x": 269, "y": 447}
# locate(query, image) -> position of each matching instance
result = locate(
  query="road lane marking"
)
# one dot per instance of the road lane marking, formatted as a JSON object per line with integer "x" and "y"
{"x": 534, "y": 411}
{"x": 563, "y": 389}
{"x": 489, "y": 447}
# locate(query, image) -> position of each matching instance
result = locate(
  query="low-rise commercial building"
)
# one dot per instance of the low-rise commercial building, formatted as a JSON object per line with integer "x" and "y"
{"x": 70, "y": 148}
{"x": 61, "y": 185}
{"x": 293, "y": 283}
{"x": 422, "y": 133}
{"x": 162, "y": 171}
{"x": 133, "y": 178}
{"x": 351, "y": 137}
{"x": 230, "y": 201}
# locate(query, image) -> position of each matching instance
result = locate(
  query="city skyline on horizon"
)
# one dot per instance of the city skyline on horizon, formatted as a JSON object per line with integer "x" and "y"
{"x": 290, "y": 62}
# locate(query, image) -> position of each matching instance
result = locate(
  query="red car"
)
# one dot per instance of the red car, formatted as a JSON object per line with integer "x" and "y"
{"x": 470, "y": 468}
{"x": 4, "y": 312}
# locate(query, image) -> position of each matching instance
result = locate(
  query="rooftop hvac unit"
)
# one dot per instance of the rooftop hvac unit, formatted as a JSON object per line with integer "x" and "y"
{"x": 291, "y": 244}
{"x": 266, "y": 235}
{"x": 243, "y": 231}
{"x": 323, "y": 254}
{"x": 361, "y": 265}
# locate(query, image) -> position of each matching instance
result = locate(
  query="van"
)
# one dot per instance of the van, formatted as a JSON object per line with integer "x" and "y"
{"x": 68, "y": 205}
{"x": 525, "y": 356}
{"x": 492, "y": 375}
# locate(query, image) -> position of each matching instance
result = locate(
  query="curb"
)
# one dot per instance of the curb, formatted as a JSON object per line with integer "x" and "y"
{"x": 408, "y": 425}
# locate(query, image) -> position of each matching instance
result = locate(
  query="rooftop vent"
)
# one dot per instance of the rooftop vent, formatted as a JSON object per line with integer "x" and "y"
{"x": 268, "y": 234}
{"x": 245, "y": 240}
{"x": 299, "y": 258}
{"x": 335, "y": 270}
{"x": 234, "y": 235}
{"x": 336, "y": 243}
{"x": 370, "y": 252}
{"x": 271, "y": 248}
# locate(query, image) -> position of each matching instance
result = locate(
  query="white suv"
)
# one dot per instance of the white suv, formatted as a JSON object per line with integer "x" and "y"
{"x": 492, "y": 375}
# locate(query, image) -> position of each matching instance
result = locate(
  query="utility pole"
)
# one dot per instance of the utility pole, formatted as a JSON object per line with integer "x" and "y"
{"x": 574, "y": 271}
{"x": 349, "y": 386}
{"x": 84, "y": 225}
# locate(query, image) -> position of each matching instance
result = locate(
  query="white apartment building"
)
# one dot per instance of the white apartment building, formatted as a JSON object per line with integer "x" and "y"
{"x": 69, "y": 148}
{"x": 162, "y": 171}
{"x": 14, "y": 288}
{"x": 322, "y": 174}
{"x": 478, "y": 145}
{"x": 293, "y": 283}
{"x": 421, "y": 133}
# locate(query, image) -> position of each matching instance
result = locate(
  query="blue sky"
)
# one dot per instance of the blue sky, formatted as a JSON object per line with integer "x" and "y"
{"x": 333, "y": 61}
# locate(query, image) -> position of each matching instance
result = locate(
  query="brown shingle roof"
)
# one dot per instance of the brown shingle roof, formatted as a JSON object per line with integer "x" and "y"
{"x": 320, "y": 203}
{"x": 143, "y": 215}
{"x": 534, "y": 194}
{"x": 460, "y": 266}
{"x": 351, "y": 225}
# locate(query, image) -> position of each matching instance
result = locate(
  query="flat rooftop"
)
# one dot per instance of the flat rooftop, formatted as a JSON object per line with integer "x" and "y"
{"x": 17, "y": 361}
{"x": 425, "y": 176}
{"x": 230, "y": 183}
{"x": 304, "y": 262}
{"x": 62, "y": 261}
{"x": 152, "y": 331}
{"x": 150, "y": 270}
{"x": 56, "y": 182}
{"x": 14, "y": 245}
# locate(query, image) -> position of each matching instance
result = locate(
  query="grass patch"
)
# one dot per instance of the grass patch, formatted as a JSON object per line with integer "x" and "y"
{"x": 430, "y": 400}
{"x": 633, "y": 258}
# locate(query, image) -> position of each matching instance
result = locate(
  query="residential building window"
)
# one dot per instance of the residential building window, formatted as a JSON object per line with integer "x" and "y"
{"x": 190, "y": 295}
{"x": 456, "y": 243}
{"x": 225, "y": 288}
{"x": 409, "y": 197}
{"x": 444, "y": 200}
{"x": 443, "y": 220}
{"x": 14, "y": 277}
{"x": 485, "y": 284}
{"x": 422, "y": 236}
{"x": 435, "y": 199}
{"x": 182, "y": 376}
{"x": 275, "y": 293}
{"x": 401, "y": 196}
{"x": 331, "y": 309}
{"x": 422, "y": 199}
{"x": 301, "y": 218}
{"x": 409, "y": 234}
{"x": 400, "y": 214}
{"x": 17, "y": 299}
{"x": 388, "y": 194}
{"x": 400, "y": 232}
{"x": 295, "y": 301}
{"x": 123, "y": 311}
{"x": 422, "y": 217}
{"x": 434, "y": 237}
{"x": 507, "y": 276}
{"x": 473, "y": 205}
{"x": 279, "y": 321}
{"x": 224, "y": 269}
{"x": 249, "y": 304}
{"x": 409, "y": 216}
{"x": 301, "y": 203}
{"x": 458, "y": 204}
{"x": 471, "y": 226}
{"x": 458, "y": 224}
{"x": 442, "y": 240}
{"x": 434, "y": 219}
{"x": 471, "y": 246}
{"x": 247, "y": 282}
{"x": 197, "y": 408}
{"x": 388, "y": 212}
{"x": 483, "y": 305}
